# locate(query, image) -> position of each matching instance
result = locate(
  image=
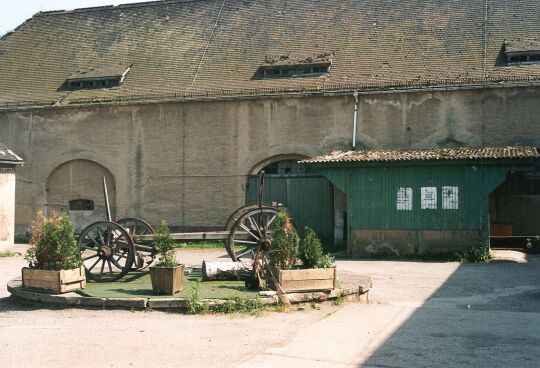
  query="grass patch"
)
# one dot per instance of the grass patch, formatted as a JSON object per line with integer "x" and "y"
{"x": 237, "y": 305}
{"x": 137, "y": 284}
{"x": 7, "y": 254}
{"x": 214, "y": 244}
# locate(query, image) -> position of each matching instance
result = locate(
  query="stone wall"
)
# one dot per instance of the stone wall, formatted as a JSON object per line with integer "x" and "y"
{"x": 186, "y": 162}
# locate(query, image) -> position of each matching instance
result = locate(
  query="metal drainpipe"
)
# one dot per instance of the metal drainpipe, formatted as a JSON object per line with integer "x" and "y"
{"x": 355, "y": 95}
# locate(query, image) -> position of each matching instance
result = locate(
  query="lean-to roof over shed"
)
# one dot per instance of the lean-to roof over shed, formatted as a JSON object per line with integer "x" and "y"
{"x": 461, "y": 153}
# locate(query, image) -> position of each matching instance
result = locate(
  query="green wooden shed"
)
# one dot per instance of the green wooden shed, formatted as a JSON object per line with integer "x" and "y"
{"x": 403, "y": 202}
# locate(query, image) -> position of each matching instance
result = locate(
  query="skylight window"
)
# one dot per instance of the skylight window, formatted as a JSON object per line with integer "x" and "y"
{"x": 106, "y": 77}
{"x": 523, "y": 51}
{"x": 295, "y": 71}
{"x": 287, "y": 66}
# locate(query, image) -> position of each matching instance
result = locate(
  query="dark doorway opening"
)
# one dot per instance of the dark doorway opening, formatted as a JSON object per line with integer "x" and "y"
{"x": 311, "y": 199}
{"x": 514, "y": 210}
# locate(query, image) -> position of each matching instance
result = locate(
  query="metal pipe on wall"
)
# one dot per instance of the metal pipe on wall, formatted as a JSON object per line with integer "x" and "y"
{"x": 355, "y": 95}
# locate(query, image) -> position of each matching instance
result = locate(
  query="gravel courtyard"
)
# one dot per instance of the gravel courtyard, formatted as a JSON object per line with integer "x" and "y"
{"x": 420, "y": 315}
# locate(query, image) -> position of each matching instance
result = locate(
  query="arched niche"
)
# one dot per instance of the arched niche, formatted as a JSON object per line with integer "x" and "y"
{"x": 280, "y": 165}
{"x": 76, "y": 187}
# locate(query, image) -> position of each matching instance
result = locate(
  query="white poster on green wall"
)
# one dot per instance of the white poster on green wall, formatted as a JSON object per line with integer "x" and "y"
{"x": 450, "y": 198}
{"x": 404, "y": 199}
{"x": 428, "y": 198}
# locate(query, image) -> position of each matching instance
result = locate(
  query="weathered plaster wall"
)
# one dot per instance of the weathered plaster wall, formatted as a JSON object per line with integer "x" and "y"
{"x": 7, "y": 208}
{"x": 186, "y": 162}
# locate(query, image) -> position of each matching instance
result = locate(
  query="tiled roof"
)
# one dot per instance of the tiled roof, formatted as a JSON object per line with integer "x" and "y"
{"x": 522, "y": 45}
{"x": 8, "y": 156}
{"x": 462, "y": 153}
{"x": 195, "y": 47}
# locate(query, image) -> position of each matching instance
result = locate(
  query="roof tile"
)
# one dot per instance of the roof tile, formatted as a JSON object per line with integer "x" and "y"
{"x": 191, "y": 47}
{"x": 462, "y": 153}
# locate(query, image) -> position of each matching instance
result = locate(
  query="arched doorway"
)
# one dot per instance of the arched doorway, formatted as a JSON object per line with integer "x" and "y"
{"x": 76, "y": 187}
{"x": 311, "y": 199}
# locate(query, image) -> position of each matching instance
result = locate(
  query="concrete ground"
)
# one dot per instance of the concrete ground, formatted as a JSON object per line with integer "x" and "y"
{"x": 421, "y": 315}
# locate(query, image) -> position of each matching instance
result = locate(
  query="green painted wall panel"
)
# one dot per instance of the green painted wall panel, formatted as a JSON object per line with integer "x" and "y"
{"x": 308, "y": 198}
{"x": 372, "y": 192}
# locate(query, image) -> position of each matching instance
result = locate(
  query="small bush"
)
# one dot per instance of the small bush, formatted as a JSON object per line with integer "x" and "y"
{"x": 52, "y": 244}
{"x": 283, "y": 252}
{"x": 165, "y": 245}
{"x": 478, "y": 253}
{"x": 311, "y": 251}
{"x": 194, "y": 306}
{"x": 533, "y": 244}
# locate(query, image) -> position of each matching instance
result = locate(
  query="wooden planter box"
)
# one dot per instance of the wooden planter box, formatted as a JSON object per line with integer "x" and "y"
{"x": 167, "y": 280}
{"x": 62, "y": 281}
{"x": 311, "y": 279}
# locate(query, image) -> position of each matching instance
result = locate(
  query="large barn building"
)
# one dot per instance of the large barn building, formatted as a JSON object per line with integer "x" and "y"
{"x": 179, "y": 103}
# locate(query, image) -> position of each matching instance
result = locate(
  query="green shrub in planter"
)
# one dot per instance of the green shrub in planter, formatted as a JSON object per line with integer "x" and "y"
{"x": 53, "y": 257}
{"x": 53, "y": 245}
{"x": 311, "y": 251}
{"x": 167, "y": 275}
{"x": 283, "y": 252}
{"x": 165, "y": 246}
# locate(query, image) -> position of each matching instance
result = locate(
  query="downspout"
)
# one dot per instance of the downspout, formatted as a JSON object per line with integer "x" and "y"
{"x": 355, "y": 115}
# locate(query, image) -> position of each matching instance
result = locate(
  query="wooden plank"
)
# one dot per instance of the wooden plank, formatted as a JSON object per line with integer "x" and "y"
{"x": 211, "y": 235}
{"x": 308, "y": 279}
{"x": 40, "y": 275}
{"x": 311, "y": 273}
{"x": 304, "y": 285}
{"x": 55, "y": 281}
{"x": 72, "y": 276}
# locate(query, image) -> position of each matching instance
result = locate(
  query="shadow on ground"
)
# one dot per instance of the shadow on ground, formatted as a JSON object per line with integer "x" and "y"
{"x": 484, "y": 315}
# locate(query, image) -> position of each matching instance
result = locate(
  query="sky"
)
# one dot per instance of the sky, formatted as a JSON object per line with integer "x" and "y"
{"x": 15, "y": 12}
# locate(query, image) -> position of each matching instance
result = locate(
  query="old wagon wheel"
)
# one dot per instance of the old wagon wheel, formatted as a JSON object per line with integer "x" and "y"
{"x": 135, "y": 226}
{"x": 253, "y": 228}
{"x": 107, "y": 251}
{"x": 239, "y": 212}
{"x": 235, "y": 216}
{"x": 144, "y": 254}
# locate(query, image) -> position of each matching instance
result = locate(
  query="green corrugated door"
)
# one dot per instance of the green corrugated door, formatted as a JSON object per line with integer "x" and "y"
{"x": 308, "y": 198}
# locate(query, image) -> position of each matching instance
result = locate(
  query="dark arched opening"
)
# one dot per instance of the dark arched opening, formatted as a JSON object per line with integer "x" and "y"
{"x": 311, "y": 199}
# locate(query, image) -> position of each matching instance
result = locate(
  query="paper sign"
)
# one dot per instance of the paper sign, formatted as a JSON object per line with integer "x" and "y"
{"x": 428, "y": 198}
{"x": 404, "y": 199}
{"x": 450, "y": 198}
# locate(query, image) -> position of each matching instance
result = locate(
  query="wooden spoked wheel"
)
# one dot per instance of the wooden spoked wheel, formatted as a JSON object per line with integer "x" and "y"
{"x": 233, "y": 218}
{"x": 144, "y": 254}
{"x": 107, "y": 251}
{"x": 135, "y": 226}
{"x": 240, "y": 211}
{"x": 253, "y": 230}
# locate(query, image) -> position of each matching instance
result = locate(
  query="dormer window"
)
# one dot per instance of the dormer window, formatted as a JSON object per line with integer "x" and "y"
{"x": 523, "y": 51}
{"x": 287, "y": 66}
{"x": 106, "y": 77}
